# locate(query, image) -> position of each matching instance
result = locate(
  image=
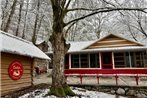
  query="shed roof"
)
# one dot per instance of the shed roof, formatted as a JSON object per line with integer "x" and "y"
{"x": 110, "y": 42}
{"x": 15, "y": 45}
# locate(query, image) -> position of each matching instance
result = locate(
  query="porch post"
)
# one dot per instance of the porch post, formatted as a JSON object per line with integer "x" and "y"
{"x": 130, "y": 60}
{"x": 113, "y": 66}
{"x": 69, "y": 61}
{"x": 100, "y": 60}
{"x": 89, "y": 59}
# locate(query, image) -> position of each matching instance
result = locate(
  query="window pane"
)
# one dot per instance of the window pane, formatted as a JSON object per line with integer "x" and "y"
{"x": 94, "y": 60}
{"x": 127, "y": 60}
{"x": 119, "y": 60}
{"x": 139, "y": 59}
{"x": 75, "y": 61}
{"x": 145, "y": 59}
{"x": 84, "y": 60}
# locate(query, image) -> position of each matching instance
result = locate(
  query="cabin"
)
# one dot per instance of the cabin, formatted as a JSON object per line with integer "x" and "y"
{"x": 42, "y": 45}
{"x": 17, "y": 62}
{"x": 110, "y": 55}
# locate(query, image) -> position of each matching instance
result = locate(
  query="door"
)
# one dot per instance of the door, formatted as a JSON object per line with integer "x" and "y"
{"x": 106, "y": 60}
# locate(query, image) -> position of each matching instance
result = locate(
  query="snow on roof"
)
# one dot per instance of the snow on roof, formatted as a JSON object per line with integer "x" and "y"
{"x": 15, "y": 45}
{"x": 77, "y": 46}
{"x": 80, "y": 46}
{"x": 131, "y": 48}
{"x": 39, "y": 42}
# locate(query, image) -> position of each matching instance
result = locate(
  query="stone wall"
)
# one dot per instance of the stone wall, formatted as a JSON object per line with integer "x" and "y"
{"x": 128, "y": 91}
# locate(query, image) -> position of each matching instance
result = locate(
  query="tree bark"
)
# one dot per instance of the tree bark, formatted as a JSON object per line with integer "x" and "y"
{"x": 34, "y": 37}
{"x": 25, "y": 21}
{"x": 59, "y": 85}
{"x": 19, "y": 18}
{"x": 10, "y": 16}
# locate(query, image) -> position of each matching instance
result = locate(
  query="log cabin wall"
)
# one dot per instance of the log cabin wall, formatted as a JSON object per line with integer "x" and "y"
{"x": 9, "y": 85}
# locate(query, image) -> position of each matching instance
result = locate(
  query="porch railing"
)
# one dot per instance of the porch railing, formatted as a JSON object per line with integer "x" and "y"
{"x": 135, "y": 73}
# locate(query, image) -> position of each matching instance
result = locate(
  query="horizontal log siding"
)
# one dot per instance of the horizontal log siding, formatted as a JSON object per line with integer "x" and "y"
{"x": 9, "y": 85}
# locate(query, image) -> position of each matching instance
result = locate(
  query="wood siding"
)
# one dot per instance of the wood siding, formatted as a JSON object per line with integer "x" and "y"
{"x": 112, "y": 41}
{"x": 7, "y": 84}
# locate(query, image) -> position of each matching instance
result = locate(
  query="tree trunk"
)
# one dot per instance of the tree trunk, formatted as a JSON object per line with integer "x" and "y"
{"x": 59, "y": 86}
{"x": 34, "y": 37}
{"x": 25, "y": 20}
{"x": 19, "y": 18}
{"x": 10, "y": 16}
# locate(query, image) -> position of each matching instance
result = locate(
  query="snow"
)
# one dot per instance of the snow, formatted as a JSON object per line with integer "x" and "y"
{"x": 16, "y": 45}
{"x": 77, "y": 46}
{"x": 83, "y": 93}
{"x": 39, "y": 42}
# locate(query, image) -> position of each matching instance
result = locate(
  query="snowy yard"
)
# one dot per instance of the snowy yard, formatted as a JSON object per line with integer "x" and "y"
{"x": 81, "y": 93}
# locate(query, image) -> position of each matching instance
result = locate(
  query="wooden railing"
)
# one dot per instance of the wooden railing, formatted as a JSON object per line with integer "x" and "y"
{"x": 136, "y": 73}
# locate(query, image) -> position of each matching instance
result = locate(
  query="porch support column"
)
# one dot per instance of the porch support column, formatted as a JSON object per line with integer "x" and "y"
{"x": 113, "y": 66}
{"x": 69, "y": 61}
{"x": 130, "y": 60}
{"x": 89, "y": 59}
{"x": 100, "y": 60}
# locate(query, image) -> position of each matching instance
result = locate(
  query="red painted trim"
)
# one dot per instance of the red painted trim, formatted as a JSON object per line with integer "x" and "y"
{"x": 105, "y": 71}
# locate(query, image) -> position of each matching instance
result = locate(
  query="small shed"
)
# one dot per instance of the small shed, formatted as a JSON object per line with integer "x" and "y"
{"x": 17, "y": 62}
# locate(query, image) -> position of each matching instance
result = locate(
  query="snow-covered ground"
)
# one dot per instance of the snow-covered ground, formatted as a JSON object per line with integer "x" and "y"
{"x": 83, "y": 93}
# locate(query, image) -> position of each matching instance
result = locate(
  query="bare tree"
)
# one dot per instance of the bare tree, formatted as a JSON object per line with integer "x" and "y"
{"x": 60, "y": 8}
{"x": 134, "y": 22}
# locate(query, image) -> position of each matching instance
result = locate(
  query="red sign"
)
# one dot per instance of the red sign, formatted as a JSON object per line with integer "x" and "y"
{"x": 15, "y": 70}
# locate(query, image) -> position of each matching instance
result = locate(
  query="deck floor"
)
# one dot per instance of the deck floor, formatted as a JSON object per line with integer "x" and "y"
{"x": 124, "y": 81}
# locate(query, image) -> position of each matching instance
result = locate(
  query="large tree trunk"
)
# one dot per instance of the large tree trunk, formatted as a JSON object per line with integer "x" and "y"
{"x": 59, "y": 86}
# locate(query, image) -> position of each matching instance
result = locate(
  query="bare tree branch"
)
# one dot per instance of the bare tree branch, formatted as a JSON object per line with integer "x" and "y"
{"x": 107, "y": 10}
{"x": 109, "y": 3}
{"x": 70, "y": 26}
{"x": 67, "y": 4}
{"x": 86, "y": 9}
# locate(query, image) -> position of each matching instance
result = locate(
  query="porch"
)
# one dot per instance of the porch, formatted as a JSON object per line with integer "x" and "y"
{"x": 112, "y": 64}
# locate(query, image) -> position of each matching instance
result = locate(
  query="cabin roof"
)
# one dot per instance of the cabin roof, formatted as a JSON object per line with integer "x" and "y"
{"x": 110, "y": 42}
{"x": 15, "y": 45}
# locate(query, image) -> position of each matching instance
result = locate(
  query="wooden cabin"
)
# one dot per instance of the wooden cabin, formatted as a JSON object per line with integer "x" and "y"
{"x": 111, "y": 54}
{"x": 17, "y": 62}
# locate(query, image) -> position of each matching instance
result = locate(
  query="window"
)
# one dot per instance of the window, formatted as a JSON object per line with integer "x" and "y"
{"x": 75, "y": 61}
{"x": 94, "y": 61}
{"x": 130, "y": 60}
{"x": 127, "y": 59}
{"x": 145, "y": 58}
{"x": 139, "y": 59}
{"x": 84, "y": 60}
{"x": 119, "y": 60}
